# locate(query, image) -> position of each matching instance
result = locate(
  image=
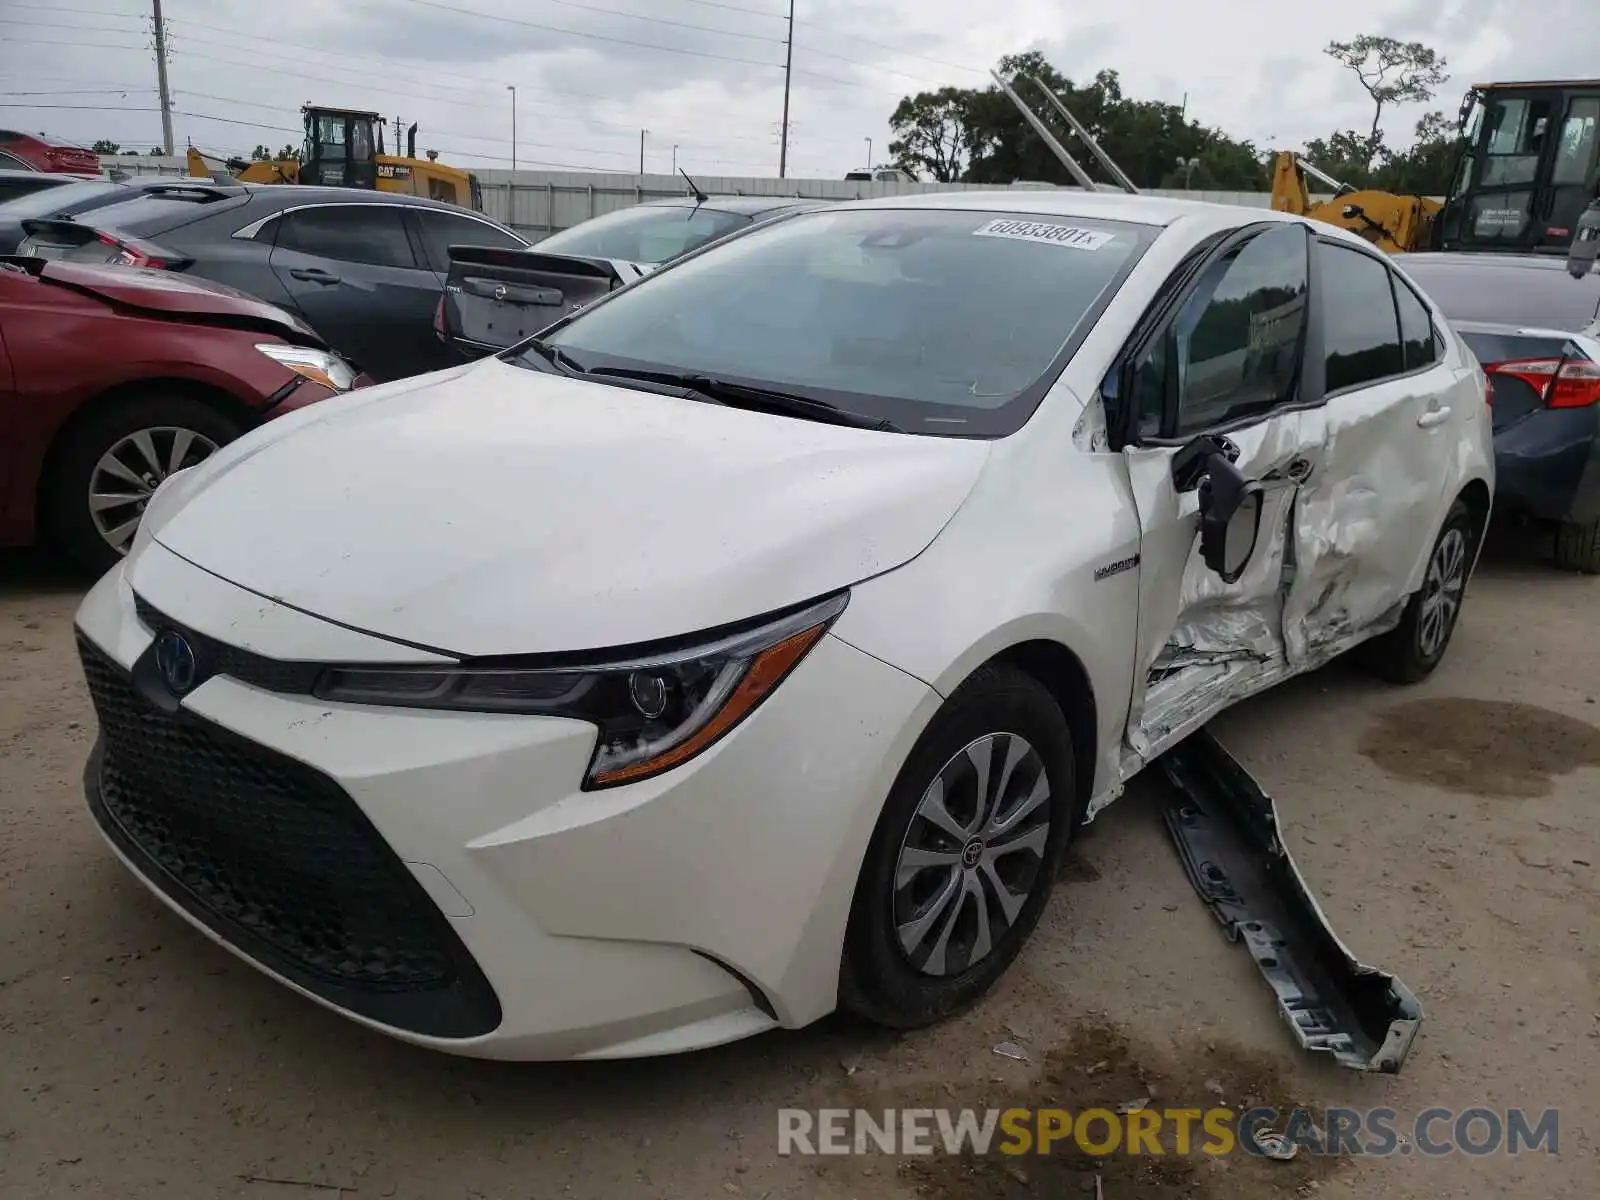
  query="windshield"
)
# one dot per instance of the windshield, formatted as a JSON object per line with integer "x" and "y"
{"x": 57, "y": 199}
{"x": 939, "y": 321}
{"x": 648, "y": 233}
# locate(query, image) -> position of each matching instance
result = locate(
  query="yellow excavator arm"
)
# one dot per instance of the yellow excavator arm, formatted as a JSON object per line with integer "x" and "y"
{"x": 1394, "y": 224}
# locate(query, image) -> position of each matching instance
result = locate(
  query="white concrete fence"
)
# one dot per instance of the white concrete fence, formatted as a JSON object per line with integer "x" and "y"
{"x": 539, "y": 203}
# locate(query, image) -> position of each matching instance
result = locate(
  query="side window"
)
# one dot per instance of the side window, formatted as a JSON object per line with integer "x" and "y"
{"x": 441, "y": 230}
{"x": 356, "y": 233}
{"x": 1234, "y": 348}
{"x": 1417, "y": 336}
{"x": 1359, "y": 327}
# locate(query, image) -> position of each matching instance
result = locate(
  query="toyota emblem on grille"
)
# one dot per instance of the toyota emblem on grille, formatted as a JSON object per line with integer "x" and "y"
{"x": 176, "y": 661}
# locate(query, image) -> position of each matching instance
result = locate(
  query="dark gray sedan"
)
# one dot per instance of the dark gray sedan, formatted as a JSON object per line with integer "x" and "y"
{"x": 364, "y": 269}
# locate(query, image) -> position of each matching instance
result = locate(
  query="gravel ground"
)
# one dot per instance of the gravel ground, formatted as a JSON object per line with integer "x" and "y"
{"x": 1450, "y": 830}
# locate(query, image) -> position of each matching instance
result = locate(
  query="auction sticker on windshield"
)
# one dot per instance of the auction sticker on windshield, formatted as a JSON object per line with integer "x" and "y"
{"x": 1040, "y": 231}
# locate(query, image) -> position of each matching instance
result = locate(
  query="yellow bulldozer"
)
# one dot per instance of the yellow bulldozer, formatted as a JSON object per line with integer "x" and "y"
{"x": 344, "y": 147}
{"x": 1528, "y": 166}
{"x": 1394, "y": 224}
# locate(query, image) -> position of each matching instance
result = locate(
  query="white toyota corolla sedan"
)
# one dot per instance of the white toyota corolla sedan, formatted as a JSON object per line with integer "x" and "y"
{"x": 752, "y": 643}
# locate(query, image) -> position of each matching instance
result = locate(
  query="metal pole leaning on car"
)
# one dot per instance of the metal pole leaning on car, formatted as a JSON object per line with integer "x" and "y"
{"x": 1043, "y": 130}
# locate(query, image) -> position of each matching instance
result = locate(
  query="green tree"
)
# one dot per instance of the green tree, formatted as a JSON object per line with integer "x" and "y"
{"x": 1392, "y": 72}
{"x": 1427, "y": 167}
{"x": 1347, "y": 155}
{"x": 290, "y": 152}
{"x": 105, "y": 147}
{"x": 978, "y": 136}
{"x": 931, "y": 134}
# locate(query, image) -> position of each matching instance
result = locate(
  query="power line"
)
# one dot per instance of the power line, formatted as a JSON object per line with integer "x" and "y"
{"x": 111, "y": 91}
{"x": 63, "y": 25}
{"x": 612, "y": 12}
{"x": 31, "y": 41}
{"x": 596, "y": 37}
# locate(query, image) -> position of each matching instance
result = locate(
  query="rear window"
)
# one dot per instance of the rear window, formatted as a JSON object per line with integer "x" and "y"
{"x": 59, "y": 199}
{"x": 645, "y": 234}
{"x": 941, "y": 321}
{"x": 1502, "y": 295}
{"x": 149, "y": 214}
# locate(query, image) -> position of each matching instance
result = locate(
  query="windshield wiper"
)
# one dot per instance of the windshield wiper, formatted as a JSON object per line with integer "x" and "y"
{"x": 555, "y": 356}
{"x": 740, "y": 395}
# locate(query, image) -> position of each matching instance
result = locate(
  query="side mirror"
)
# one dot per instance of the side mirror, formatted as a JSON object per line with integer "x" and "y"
{"x": 1585, "y": 243}
{"x": 1230, "y": 505}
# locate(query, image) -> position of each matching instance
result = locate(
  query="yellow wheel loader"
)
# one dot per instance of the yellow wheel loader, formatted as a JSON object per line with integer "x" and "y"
{"x": 344, "y": 148}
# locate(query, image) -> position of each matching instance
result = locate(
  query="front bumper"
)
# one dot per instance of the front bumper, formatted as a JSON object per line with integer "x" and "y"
{"x": 691, "y": 909}
{"x": 1547, "y": 465}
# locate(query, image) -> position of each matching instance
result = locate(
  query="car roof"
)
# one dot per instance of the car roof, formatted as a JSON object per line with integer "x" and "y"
{"x": 1072, "y": 202}
{"x": 1505, "y": 291}
{"x": 295, "y": 195}
{"x": 46, "y": 177}
{"x": 743, "y": 205}
{"x": 1488, "y": 259}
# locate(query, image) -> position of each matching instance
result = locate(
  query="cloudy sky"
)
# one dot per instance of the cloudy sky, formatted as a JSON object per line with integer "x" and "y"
{"x": 707, "y": 76}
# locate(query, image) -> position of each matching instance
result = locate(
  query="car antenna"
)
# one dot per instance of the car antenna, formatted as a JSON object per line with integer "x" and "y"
{"x": 699, "y": 196}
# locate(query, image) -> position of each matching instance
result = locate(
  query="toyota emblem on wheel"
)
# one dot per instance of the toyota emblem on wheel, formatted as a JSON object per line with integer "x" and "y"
{"x": 176, "y": 661}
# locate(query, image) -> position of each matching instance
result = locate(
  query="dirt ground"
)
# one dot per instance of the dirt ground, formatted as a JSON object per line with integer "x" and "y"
{"x": 1451, "y": 831}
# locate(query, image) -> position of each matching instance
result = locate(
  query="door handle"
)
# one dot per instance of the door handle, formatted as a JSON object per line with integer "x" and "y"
{"x": 1433, "y": 418}
{"x": 313, "y": 275}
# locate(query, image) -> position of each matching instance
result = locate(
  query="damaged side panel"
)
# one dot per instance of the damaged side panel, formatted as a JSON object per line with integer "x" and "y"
{"x": 1228, "y": 835}
{"x": 1366, "y": 518}
{"x": 1204, "y": 643}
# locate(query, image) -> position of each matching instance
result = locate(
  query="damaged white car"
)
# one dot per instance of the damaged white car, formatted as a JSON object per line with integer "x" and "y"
{"x": 753, "y": 641}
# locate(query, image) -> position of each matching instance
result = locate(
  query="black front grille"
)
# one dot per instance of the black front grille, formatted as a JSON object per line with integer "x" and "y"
{"x": 279, "y": 860}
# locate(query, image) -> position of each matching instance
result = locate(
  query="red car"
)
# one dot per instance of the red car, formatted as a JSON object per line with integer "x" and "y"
{"x": 45, "y": 153}
{"x": 113, "y": 378}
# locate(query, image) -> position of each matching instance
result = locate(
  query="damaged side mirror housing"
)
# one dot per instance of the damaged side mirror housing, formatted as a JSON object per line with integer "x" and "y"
{"x": 1585, "y": 243}
{"x": 1230, "y": 504}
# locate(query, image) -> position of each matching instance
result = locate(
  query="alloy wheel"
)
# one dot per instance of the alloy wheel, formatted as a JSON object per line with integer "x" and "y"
{"x": 972, "y": 854}
{"x": 128, "y": 474}
{"x": 1441, "y": 593}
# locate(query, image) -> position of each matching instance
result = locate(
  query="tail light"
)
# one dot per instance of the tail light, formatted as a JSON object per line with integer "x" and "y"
{"x": 130, "y": 254}
{"x": 1560, "y": 382}
{"x": 438, "y": 319}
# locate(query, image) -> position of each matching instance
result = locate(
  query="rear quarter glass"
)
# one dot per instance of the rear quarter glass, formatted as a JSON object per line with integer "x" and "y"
{"x": 149, "y": 216}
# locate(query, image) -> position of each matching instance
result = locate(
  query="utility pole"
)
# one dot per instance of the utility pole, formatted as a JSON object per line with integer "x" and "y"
{"x": 642, "y": 132}
{"x": 512, "y": 89}
{"x": 161, "y": 80}
{"x": 788, "y": 70}
{"x": 869, "y": 154}
{"x": 674, "y": 160}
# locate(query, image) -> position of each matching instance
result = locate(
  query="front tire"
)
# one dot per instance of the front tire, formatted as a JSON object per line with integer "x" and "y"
{"x": 960, "y": 865}
{"x": 1410, "y": 652}
{"x": 111, "y": 464}
{"x": 1578, "y": 547}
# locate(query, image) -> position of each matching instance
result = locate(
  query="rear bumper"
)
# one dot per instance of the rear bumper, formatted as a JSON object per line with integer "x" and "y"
{"x": 1547, "y": 465}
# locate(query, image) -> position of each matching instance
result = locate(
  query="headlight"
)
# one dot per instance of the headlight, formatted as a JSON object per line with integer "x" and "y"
{"x": 319, "y": 366}
{"x": 655, "y": 711}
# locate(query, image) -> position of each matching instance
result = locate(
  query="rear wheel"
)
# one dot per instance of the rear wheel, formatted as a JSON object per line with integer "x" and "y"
{"x": 111, "y": 464}
{"x": 960, "y": 866}
{"x": 1410, "y": 651}
{"x": 1578, "y": 547}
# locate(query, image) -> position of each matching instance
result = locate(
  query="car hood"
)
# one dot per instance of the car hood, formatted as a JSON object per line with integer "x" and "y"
{"x": 495, "y": 510}
{"x": 170, "y": 294}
